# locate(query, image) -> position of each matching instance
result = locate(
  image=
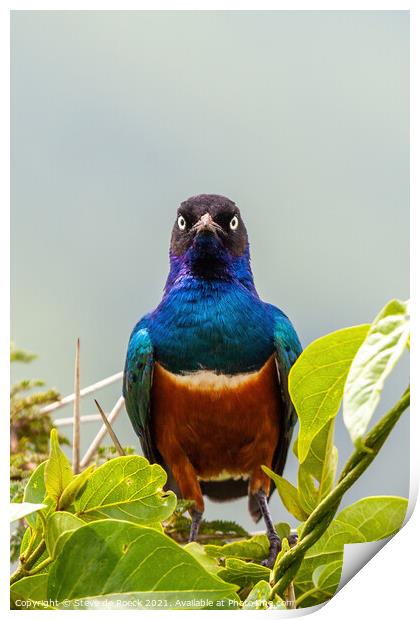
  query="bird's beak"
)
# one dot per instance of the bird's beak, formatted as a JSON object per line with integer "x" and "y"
{"x": 205, "y": 223}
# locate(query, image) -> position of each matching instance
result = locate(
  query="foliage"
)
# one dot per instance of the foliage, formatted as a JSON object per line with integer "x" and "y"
{"x": 29, "y": 434}
{"x": 107, "y": 535}
{"x": 29, "y": 429}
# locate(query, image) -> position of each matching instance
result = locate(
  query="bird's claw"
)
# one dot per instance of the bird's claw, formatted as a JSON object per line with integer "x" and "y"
{"x": 275, "y": 546}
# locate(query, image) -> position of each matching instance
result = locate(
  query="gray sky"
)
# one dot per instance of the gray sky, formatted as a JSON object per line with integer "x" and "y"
{"x": 300, "y": 117}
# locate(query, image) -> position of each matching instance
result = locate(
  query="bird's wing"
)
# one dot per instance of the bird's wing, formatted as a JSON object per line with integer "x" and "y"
{"x": 137, "y": 384}
{"x": 287, "y": 350}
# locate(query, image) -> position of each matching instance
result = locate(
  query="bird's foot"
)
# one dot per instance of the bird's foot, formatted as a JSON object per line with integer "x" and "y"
{"x": 275, "y": 546}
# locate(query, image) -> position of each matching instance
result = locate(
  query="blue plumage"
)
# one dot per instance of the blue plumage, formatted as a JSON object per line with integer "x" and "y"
{"x": 210, "y": 318}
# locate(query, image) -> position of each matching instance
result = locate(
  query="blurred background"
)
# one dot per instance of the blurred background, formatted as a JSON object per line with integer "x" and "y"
{"x": 302, "y": 118}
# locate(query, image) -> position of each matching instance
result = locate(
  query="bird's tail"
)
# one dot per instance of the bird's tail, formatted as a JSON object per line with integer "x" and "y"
{"x": 224, "y": 490}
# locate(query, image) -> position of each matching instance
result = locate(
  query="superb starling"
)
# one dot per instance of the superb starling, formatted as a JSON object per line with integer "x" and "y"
{"x": 205, "y": 380}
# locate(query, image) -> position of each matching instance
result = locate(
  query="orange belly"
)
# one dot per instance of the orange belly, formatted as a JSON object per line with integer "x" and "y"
{"x": 209, "y": 426}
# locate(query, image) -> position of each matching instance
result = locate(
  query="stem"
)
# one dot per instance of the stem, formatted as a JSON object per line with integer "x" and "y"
{"x": 29, "y": 548}
{"x": 40, "y": 567}
{"x": 324, "y": 513}
{"x": 76, "y": 412}
{"x": 23, "y": 569}
{"x": 289, "y": 596}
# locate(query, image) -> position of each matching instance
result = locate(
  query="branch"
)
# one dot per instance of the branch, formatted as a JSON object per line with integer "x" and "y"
{"x": 76, "y": 412}
{"x": 83, "y": 392}
{"x": 324, "y": 513}
{"x": 24, "y": 569}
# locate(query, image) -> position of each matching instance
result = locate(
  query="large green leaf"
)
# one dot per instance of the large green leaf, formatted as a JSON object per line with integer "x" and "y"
{"x": 373, "y": 518}
{"x": 23, "y": 509}
{"x": 288, "y": 494}
{"x": 375, "y": 359}
{"x": 244, "y": 574}
{"x": 368, "y": 519}
{"x": 106, "y": 559}
{"x": 127, "y": 488}
{"x": 35, "y": 491}
{"x": 316, "y": 474}
{"x": 58, "y": 473}
{"x": 27, "y": 593}
{"x": 316, "y": 381}
{"x": 60, "y": 526}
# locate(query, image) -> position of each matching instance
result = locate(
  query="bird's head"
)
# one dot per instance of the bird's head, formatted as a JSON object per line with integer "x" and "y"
{"x": 209, "y": 238}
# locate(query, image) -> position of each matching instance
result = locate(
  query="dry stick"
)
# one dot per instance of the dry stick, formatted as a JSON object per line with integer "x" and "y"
{"x": 84, "y": 392}
{"x": 102, "y": 432}
{"x": 76, "y": 412}
{"x": 110, "y": 430}
{"x": 94, "y": 417}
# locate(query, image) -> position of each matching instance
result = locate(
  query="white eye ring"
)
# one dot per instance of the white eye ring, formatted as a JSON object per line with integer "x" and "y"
{"x": 234, "y": 223}
{"x": 181, "y": 222}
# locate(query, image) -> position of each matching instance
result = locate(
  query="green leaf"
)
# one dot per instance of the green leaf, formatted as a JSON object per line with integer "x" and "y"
{"x": 258, "y": 598}
{"x": 244, "y": 574}
{"x": 58, "y": 473}
{"x": 198, "y": 552}
{"x": 60, "y": 526}
{"x": 316, "y": 474}
{"x": 132, "y": 562}
{"x": 29, "y": 589}
{"x": 316, "y": 381}
{"x": 126, "y": 488}
{"x": 73, "y": 488}
{"x": 255, "y": 548}
{"x": 282, "y": 529}
{"x": 327, "y": 576}
{"x": 288, "y": 494}
{"x": 373, "y": 518}
{"x": 375, "y": 359}
{"x": 20, "y": 510}
{"x": 35, "y": 491}
{"x": 368, "y": 519}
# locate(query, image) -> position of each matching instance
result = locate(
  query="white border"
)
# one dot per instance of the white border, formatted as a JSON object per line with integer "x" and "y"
{"x": 387, "y": 585}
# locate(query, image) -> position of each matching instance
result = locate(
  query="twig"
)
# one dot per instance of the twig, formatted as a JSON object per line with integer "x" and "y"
{"x": 94, "y": 417}
{"x": 76, "y": 412}
{"x": 84, "y": 392}
{"x": 102, "y": 432}
{"x": 110, "y": 430}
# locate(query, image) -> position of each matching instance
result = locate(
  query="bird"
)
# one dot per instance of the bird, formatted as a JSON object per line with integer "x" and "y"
{"x": 206, "y": 372}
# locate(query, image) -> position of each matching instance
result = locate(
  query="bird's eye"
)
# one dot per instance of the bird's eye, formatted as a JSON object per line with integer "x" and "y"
{"x": 181, "y": 222}
{"x": 234, "y": 222}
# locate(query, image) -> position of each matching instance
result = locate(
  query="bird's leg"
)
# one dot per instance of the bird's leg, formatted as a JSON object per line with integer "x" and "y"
{"x": 195, "y": 524}
{"x": 273, "y": 537}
